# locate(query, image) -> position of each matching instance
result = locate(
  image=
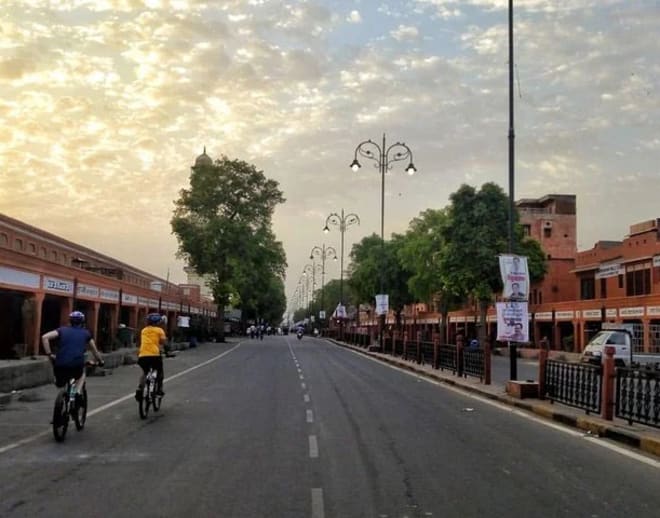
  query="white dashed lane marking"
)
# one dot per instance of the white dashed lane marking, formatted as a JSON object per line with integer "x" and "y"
{"x": 313, "y": 447}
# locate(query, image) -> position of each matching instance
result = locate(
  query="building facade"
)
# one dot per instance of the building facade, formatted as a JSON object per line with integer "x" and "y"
{"x": 44, "y": 277}
{"x": 613, "y": 282}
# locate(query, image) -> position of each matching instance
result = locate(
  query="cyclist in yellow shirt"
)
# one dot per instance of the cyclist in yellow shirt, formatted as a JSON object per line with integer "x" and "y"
{"x": 152, "y": 340}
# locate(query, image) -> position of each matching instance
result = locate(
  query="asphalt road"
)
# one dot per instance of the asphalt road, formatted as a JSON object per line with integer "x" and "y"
{"x": 288, "y": 428}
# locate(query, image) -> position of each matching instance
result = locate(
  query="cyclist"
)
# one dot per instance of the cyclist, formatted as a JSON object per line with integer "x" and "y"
{"x": 152, "y": 340}
{"x": 69, "y": 362}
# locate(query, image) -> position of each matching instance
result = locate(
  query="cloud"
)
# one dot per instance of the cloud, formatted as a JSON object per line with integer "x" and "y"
{"x": 405, "y": 32}
{"x": 102, "y": 102}
{"x": 354, "y": 17}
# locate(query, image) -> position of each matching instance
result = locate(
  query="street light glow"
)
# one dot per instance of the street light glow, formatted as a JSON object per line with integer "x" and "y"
{"x": 411, "y": 169}
{"x": 326, "y": 229}
{"x": 355, "y": 165}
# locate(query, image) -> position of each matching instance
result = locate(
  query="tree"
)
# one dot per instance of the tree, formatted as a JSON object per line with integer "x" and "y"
{"x": 475, "y": 237}
{"x": 421, "y": 254}
{"x": 371, "y": 259}
{"x": 217, "y": 221}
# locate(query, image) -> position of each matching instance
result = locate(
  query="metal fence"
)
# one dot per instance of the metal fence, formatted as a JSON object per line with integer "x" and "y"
{"x": 473, "y": 363}
{"x": 574, "y": 384}
{"x": 638, "y": 394}
{"x": 410, "y": 350}
{"x": 427, "y": 350}
{"x": 448, "y": 357}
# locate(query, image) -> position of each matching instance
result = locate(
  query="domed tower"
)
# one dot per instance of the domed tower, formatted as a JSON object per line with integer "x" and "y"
{"x": 203, "y": 160}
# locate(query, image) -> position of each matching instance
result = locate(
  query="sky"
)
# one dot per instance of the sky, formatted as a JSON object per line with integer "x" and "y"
{"x": 104, "y": 106}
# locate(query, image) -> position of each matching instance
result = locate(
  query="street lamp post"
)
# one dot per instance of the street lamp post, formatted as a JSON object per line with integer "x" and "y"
{"x": 343, "y": 222}
{"x": 323, "y": 253}
{"x": 384, "y": 157}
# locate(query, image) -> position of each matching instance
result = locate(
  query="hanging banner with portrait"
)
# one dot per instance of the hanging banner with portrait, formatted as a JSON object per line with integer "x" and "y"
{"x": 515, "y": 276}
{"x": 512, "y": 322}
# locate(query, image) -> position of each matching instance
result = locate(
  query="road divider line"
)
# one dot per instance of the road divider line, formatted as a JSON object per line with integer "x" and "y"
{"x": 303, "y": 385}
{"x": 310, "y": 416}
{"x": 115, "y": 402}
{"x": 313, "y": 447}
{"x": 317, "y": 503}
{"x": 306, "y": 398}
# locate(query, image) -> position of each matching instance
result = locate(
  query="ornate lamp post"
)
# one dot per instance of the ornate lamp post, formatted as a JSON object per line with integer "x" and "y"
{"x": 343, "y": 222}
{"x": 384, "y": 157}
{"x": 323, "y": 253}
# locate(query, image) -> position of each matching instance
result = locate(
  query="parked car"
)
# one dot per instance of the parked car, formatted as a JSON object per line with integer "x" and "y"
{"x": 618, "y": 336}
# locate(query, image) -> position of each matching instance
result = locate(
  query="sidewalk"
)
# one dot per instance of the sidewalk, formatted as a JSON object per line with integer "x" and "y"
{"x": 644, "y": 438}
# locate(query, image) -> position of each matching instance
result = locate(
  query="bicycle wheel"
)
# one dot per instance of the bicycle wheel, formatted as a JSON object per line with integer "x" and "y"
{"x": 157, "y": 400}
{"x": 60, "y": 417}
{"x": 145, "y": 401}
{"x": 80, "y": 412}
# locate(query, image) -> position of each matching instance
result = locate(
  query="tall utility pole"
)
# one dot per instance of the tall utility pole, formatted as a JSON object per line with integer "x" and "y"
{"x": 513, "y": 350}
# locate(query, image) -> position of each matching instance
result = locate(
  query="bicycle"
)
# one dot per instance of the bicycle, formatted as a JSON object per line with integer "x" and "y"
{"x": 68, "y": 407}
{"x": 150, "y": 396}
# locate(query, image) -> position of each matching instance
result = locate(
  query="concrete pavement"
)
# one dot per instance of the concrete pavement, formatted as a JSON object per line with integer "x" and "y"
{"x": 287, "y": 429}
{"x": 644, "y": 438}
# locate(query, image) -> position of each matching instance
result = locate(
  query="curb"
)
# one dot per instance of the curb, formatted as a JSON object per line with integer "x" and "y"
{"x": 640, "y": 441}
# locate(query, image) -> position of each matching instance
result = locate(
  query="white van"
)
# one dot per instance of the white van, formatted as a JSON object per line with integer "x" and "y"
{"x": 618, "y": 336}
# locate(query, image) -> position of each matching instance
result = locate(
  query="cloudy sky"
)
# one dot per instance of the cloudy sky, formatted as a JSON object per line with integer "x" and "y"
{"x": 104, "y": 105}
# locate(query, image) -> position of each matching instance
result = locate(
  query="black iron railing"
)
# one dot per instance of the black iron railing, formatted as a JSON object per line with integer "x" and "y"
{"x": 398, "y": 347}
{"x": 426, "y": 350}
{"x": 447, "y": 357}
{"x": 574, "y": 384}
{"x": 473, "y": 363}
{"x": 411, "y": 350}
{"x": 638, "y": 394}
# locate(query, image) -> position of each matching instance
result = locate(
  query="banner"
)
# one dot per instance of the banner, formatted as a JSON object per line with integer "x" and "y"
{"x": 322, "y": 315}
{"x": 182, "y": 321}
{"x": 382, "y": 304}
{"x": 515, "y": 276}
{"x": 512, "y": 322}
{"x": 340, "y": 311}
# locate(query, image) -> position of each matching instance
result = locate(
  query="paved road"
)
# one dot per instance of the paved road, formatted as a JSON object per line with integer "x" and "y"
{"x": 288, "y": 428}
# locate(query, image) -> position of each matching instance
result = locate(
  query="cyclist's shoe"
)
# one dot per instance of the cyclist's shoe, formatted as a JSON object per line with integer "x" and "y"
{"x": 160, "y": 392}
{"x": 138, "y": 395}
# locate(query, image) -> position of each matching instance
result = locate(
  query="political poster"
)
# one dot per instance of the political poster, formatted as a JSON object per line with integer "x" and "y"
{"x": 340, "y": 311}
{"x": 182, "y": 321}
{"x": 382, "y": 304}
{"x": 512, "y": 322}
{"x": 515, "y": 277}
{"x": 322, "y": 315}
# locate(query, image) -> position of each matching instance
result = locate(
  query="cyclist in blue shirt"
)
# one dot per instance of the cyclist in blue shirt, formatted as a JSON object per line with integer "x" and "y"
{"x": 69, "y": 362}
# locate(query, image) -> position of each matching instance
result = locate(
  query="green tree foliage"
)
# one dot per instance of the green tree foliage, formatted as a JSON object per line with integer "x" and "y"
{"x": 371, "y": 259}
{"x": 223, "y": 226}
{"x": 476, "y": 235}
{"x": 421, "y": 254}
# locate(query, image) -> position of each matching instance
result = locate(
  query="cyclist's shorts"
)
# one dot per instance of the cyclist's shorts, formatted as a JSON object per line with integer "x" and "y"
{"x": 147, "y": 362}
{"x": 64, "y": 374}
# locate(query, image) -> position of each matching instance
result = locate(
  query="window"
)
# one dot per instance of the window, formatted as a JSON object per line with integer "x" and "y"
{"x": 527, "y": 230}
{"x": 547, "y": 232}
{"x": 638, "y": 279}
{"x": 621, "y": 281}
{"x": 53, "y": 255}
{"x": 603, "y": 288}
{"x": 540, "y": 297}
{"x": 18, "y": 244}
{"x": 587, "y": 288}
{"x": 43, "y": 252}
{"x": 33, "y": 248}
{"x": 4, "y": 240}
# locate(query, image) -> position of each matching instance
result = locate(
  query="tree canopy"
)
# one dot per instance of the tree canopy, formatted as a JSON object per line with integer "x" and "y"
{"x": 223, "y": 224}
